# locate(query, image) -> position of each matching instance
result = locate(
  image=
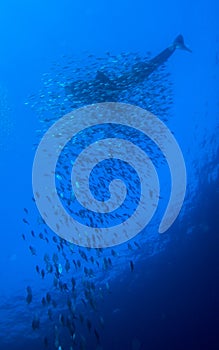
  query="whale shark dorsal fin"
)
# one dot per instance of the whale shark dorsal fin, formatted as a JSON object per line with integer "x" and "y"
{"x": 179, "y": 43}
{"x": 103, "y": 78}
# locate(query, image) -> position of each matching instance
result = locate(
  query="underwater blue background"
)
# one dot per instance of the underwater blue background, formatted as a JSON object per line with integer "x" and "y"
{"x": 170, "y": 300}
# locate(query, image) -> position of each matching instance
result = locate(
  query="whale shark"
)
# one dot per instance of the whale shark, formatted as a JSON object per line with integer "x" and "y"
{"x": 104, "y": 88}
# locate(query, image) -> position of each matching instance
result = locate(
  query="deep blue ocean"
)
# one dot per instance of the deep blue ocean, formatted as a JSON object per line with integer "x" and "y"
{"x": 154, "y": 291}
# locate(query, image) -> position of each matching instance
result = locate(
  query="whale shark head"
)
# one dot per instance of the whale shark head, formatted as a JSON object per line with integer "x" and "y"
{"x": 179, "y": 43}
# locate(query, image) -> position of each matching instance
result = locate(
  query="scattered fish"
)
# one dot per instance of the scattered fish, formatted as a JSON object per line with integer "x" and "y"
{"x": 120, "y": 78}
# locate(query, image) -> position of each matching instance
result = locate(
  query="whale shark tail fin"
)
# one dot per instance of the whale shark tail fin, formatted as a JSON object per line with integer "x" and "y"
{"x": 179, "y": 43}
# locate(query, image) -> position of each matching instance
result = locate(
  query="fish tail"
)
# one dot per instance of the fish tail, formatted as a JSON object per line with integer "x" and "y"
{"x": 179, "y": 43}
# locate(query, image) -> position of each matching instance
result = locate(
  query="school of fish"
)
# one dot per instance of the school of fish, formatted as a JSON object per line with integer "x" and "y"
{"x": 68, "y": 312}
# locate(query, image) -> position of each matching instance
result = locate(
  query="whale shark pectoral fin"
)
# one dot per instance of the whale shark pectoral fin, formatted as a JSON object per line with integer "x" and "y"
{"x": 103, "y": 78}
{"x": 179, "y": 43}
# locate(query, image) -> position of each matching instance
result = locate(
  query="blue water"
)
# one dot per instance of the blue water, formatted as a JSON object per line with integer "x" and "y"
{"x": 170, "y": 299}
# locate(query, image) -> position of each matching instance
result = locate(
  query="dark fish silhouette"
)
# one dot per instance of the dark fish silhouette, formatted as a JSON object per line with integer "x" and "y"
{"x": 97, "y": 336}
{"x": 41, "y": 235}
{"x": 26, "y": 210}
{"x": 35, "y": 323}
{"x": 43, "y": 301}
{"x": 25, "y": 221}
{"x": 29, "y": 295}
{"x": 131, "y": 265}
{"x": 106, "y": 89}
{"x": 45, "y": 341}
{"x": 89, "y": 325}
{"x": 48, "y": 297}
{"x": 33, "y": 250}
{"x": 42, "y": 273}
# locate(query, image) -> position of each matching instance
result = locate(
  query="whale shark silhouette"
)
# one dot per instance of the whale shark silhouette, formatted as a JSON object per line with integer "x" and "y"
{"x": 105, "y": 89}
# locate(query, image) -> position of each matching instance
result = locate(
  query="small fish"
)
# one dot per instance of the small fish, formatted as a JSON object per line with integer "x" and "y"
{"x": 63, "y": 253}
{"x": 48, "y": 297}
{"x": 97, "y": 335}
{"x": 49, "y": 267}
{"x": 55, "y": 258}
{"x": 81, "y": 318}
{"x": 41, "y": 235}
{"x": 60, "y": 285}
{"x": 107, "y": 286}
{"x": 131, "y": 265}
{"x": 67, "y": 265}
{"x": 60, "y": 269}
{"x": 54, "y": 238}
{"x": 42, "y": 273}
{"x": 105, "y": 263}
{"x": 110, "y": 262}
{"x": 37, "y": 269}
{"x": 69, "y": 303}
{"x": 33, "y": 250}
{"x": 84, "y": 302}
{"x": 29, "y": 290}
{"x": 45, "y": 342}
{"x": 130, "y": 247}
{"x": 89, "y": 325}
{"x": 23, "y": 236}
{"x": 83, "y": 255}
{"x": 26, "y": 211}
{"x": 49, "y": 312}
{"x": 92, "y": 304}
{"x": 35, "y": 323}
{"x": 61, "y": 319}
{"x": 46, "y": 258}
{"x": 137, "y": 245}
{"x": 55, "y": 282}
{"x": 113, "y": 252}
{"x": 29, "y": 298}
{"x": 43, "y": 301}
{"x": 25, "y": 221}
{"x": 65, "y": 287}
{"x": 73, "y": 282}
